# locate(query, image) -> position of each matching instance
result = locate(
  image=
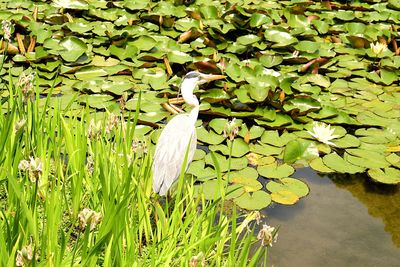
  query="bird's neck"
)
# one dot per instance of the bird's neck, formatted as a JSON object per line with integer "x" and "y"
{"x": 194, "y": 113}
{"x": 187, "y": 89}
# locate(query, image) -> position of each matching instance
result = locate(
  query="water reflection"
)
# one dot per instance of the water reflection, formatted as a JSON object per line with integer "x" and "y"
{"x": 345, "y": 221}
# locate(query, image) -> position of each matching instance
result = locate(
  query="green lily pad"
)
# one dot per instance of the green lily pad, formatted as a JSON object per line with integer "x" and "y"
{"x": 97, "y": 101}
{"x": 289, "y": 184}
{"x": 223, "y": 162}
{"x": 253, "y": 201}
{"x": 257, "y": 20}
{"x": 247, "y": 39}
{"x": 248, "y": 184}
{"x": 394, "y": 159}
{"x": 273, "y": 138}
{"x": 199, "y": 154}
{"x": 337, "y": 163}
{"x": 386, "y": 176}
{"x": 73, "y": 48}
{"x": 209, "y": 137}
{"x": 254, "y": 132}
{"x": 239, "y": 148}
{"x": 300, "y": 149}
{"x": 212, "y": 189}
{"x": 318, "y": 165}
{"x": 127, "y": 52}
{"x": 275, "y": 171}
{"x": 347, "y": 141}
{"x": 197, "y": 168}
{"x": 247, "y": 172}
{"x": 280, "y": 37}
{"x": 366, "y": 158}
{"x": 266, "y": 150}
{"x": 234, "y": 191}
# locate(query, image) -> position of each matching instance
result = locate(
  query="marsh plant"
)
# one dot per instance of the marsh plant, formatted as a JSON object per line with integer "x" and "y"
{"x": 75, "y": 192}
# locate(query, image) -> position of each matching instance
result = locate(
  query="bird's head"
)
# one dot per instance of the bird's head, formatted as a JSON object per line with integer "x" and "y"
{"x": 193, "y": 79}
{"x": 197, "y": 78}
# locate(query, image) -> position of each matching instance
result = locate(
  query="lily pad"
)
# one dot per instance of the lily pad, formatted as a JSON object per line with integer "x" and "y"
{"x": 318, "y": 165}
{"x": 73, "y": 48}
{"x": 239, "y": 148}
{"x": 212, "y": 189}
{"x": 248, "y": 184}
{"x": 289, "y": 184}
{"x": 300, "y": 149}
{"x": 337, "y": 163}
{"x": 275, "y": 171}
{"x": 209, "y": 137}
{"x": 386, "y": 176}
{"x": 253, "y": 201}
{"x": 284, "y": 197}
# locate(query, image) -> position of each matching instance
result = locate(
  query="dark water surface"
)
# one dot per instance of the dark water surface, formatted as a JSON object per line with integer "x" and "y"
{"x": 344, "y": 221}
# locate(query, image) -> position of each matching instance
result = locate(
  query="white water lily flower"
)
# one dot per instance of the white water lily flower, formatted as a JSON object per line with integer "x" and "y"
{"x": 323, "y": 133}
{"x": 378, "y": 48}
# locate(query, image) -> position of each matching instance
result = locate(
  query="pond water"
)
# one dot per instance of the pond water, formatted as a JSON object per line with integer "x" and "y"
{"x": 344, "y": 221}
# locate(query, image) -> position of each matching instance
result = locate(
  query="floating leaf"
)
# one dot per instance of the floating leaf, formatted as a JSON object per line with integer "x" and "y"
{"x": 300, "y": 149}
{"x": 318, "y": 165}
{"x": 289, "y": 184}
{"x": 337, "y": 163}
{"x": 211, "y": 189}
{"x": 239, "y": 148}
{"x": 209, "y": 137}
{"x": 248, "y": 184}
{"x": 223, "y": 162}
{"x": 366, "y": 158}
{"x": 386, "y": 176}
{"x": 253, "y": 201}
{"x": 257, "y": 20}
{"x": 284, "y": 197}
{"x": 73, "y": 48}
{"x": 347, "y": 141}
{"x": 247, "y": 172}
{"x": 275, "y": 171}
{"x": 279, "y": 36}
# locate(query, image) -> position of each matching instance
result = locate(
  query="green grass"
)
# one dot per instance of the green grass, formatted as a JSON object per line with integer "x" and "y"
{"x": 41, "y": 205}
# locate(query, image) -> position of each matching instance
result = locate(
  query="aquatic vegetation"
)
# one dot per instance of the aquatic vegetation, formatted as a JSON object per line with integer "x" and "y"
{"x": 378, "y": 48}
{"x": 74, "y": 195}
{"x": 323, "y": 133}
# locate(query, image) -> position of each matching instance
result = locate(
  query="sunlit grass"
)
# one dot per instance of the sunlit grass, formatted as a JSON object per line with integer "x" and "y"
{"x": 74, "y": 195}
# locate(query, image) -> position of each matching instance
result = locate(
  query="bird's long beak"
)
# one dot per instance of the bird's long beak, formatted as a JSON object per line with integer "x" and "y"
{"x": 211, "y": 77}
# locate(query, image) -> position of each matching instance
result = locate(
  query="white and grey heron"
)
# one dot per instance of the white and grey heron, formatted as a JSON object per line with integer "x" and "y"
{"x": 177, "y": 135}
